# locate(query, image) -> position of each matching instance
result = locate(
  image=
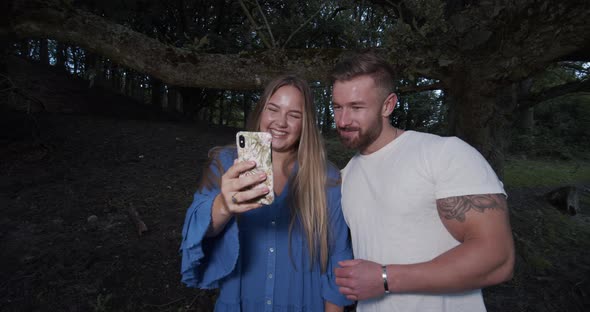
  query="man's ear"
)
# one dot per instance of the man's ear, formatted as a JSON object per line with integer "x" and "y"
{"x": 389, "y": 104}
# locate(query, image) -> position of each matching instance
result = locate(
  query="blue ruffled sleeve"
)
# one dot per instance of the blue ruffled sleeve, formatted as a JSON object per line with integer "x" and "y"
{"x": 206, "y": 260}
{"x": 340, "y": 246}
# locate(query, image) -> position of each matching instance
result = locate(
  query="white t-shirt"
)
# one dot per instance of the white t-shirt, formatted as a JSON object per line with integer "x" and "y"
{"x": 389, "y": 202}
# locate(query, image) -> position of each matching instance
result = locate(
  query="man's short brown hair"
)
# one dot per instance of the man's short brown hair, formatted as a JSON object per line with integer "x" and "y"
{"x": 366, "y": 63}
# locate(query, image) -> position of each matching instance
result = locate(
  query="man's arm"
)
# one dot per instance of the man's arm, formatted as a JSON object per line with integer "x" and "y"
{"x": 485, "y": 255}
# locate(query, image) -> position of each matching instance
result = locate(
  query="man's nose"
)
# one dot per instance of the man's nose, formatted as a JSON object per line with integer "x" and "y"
{"x": 342, "y": 118}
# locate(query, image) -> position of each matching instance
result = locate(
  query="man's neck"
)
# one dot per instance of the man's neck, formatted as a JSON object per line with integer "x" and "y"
{"x": 388, "y": 134}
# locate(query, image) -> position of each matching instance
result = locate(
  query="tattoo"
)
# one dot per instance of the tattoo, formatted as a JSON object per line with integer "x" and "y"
{"x": 456, "y": 207}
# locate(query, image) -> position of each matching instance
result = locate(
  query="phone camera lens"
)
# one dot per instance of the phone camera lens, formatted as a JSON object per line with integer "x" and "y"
{"x": 242, "y": 141}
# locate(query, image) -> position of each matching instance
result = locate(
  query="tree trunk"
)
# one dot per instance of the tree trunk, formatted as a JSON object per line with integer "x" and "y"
{"x": 25, "y": 48}
{"x": 525, "y": 120}
{"x": 76, "y": 59}
{"x": 128, "y": 88}
{"x": 43, "y": 52}
{"x": 327, "y": 124}
{"x": 221, "y": 111}
{"x": 60, "y": 56}
{"x": 172, "y": 100}
{"x": 4, "y": 52}
{"x": 246, "y": 107}
{"x": 115, "y": 78}
{"x": 157, "y": 92}
{"x": 138, "y": 90}
{"x": 229, "y": 110}
{"x": 474, "y": 117}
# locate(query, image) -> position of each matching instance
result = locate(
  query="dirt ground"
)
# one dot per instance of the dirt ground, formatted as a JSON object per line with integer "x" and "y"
{"x": 68, "y": 183}
{"x": 67, "y": 241}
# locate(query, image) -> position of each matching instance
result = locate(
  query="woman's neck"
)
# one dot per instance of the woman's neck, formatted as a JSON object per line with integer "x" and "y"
{"x": 283, "y": 160}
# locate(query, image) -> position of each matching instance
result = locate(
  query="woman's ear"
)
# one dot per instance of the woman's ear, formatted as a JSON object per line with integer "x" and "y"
{"x": 389, "y": 104}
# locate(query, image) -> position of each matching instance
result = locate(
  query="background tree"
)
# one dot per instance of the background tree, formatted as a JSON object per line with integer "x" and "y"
{"x": 476, "y": 51}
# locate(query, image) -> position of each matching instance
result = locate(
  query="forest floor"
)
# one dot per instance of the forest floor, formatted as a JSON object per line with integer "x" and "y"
{"x": 69, "y": 184}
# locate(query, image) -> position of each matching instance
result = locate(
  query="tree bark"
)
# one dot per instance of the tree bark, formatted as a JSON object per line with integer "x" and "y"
{"x": 222, "y": 111}
{"x": 157, "y": 92}
{"x": 172, "y": 100}
{"x": 246, "y": 106}
{"x": 61, "y": 56}
{"x": 327, "y": 124}
{"x": 475, "y": 117}
{"x": 43, "y": 52}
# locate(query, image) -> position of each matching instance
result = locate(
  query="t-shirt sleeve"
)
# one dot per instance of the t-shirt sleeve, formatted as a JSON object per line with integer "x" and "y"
{"x": 459, "y": 169}
{"x": 340, "y": 248}
{"x": 205, "y": 260}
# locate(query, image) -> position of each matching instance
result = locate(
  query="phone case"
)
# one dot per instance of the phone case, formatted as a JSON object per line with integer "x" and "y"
{"x": 257, "y": 146}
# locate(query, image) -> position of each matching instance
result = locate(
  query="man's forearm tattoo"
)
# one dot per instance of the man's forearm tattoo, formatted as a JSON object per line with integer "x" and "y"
{"x": 456, "y": 207}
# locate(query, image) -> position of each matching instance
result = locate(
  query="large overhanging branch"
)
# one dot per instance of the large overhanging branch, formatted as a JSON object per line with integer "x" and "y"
{"x": 175, "y": 66}
{"x": 551, "y": 93}
{"x": 493, "y": 41}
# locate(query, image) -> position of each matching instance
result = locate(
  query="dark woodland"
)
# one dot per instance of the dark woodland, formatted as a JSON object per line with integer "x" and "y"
{"x": 108, "y": 109}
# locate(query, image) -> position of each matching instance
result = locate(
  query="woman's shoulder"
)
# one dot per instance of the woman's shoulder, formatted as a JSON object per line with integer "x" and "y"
{"x": 333, "y": 180}
{"x": 332, "y": 171}
{"x": 223, "y": 153}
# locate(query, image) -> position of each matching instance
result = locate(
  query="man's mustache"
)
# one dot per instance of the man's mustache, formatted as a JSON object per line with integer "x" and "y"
{"x": 348, "y": 129}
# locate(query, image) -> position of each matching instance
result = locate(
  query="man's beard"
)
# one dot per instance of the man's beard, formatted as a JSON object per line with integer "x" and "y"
{"x": 363, "y": 140}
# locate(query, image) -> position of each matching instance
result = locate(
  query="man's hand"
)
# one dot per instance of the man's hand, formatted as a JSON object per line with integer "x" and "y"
{"x": 359, "y": 279}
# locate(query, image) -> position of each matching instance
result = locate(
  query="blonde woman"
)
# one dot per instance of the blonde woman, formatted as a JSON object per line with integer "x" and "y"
{"x": 277, "y": 257}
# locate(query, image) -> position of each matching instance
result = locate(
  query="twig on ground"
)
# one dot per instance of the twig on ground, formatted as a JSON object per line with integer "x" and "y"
{"x": 134, "y": 216}
{"x": 192, "y": 302}
{"x": 164, "y": 304}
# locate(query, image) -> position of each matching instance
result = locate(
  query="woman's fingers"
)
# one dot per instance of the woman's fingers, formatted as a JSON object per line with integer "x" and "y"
{"x": 239, "y": 167}
{"x": 238, "y": 192}
{"x": 248, "y": 196}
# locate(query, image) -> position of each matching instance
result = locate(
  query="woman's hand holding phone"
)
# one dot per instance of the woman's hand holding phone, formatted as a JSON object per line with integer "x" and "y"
{"x": 237, "y": 192}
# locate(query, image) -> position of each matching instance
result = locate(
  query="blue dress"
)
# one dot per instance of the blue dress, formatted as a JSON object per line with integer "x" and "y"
{"x": 251, "y": 261}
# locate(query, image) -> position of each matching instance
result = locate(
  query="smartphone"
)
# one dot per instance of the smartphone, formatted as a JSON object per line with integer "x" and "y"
{"x": 256, "y": 146}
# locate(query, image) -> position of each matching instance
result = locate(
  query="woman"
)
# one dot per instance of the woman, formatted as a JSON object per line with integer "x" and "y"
{"x": 277, "y": 257}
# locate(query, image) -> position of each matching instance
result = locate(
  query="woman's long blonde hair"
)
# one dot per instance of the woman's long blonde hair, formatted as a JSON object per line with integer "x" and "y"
{"x": 308, "y": 187}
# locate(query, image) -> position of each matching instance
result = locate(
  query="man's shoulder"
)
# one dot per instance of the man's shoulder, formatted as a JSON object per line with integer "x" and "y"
{"x": 349, "y": 164}
{"x": 431, "y": 141}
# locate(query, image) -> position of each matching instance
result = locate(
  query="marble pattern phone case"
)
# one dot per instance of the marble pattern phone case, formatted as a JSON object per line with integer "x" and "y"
{"x": 257, "y": 146}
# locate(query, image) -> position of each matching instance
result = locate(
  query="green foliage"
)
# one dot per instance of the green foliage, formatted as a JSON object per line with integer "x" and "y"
{"x": 337, "y": 153}
{"x": 537, "y": 173}
{"x": 562, "y": 130}
{"x": 422, "y": 111}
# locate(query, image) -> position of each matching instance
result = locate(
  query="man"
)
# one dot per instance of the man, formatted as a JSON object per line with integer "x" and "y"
{"x": 427, "y": 214}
